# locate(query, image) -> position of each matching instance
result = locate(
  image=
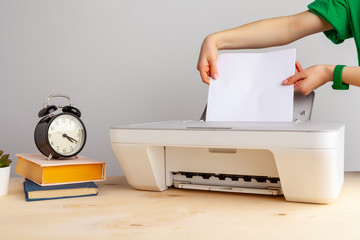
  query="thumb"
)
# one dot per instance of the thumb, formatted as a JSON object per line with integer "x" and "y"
{"x": 213, "y": 70}
{"x": 293, "y": 79}
{"x": 298, "y": 67}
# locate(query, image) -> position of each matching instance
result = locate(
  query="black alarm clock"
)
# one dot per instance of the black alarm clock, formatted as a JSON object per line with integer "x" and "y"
{"x": 60, "y": 135}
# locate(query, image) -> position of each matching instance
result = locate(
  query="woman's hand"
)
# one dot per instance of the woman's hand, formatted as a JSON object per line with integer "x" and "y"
{"x": 207, "y": 59}
{"x": 305, "y": 81}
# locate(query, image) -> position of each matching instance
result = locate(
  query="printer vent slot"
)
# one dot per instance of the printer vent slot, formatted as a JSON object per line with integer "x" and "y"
{"x": 227, "y": 183}
{"x": 215, "y": 181}
{"x": 222, "y": 177}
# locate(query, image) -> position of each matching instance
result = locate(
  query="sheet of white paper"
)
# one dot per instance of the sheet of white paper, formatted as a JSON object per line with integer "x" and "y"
{"x": 249, "y": 87}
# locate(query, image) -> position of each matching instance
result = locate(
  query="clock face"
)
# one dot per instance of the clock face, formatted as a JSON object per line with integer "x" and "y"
{"x": 66, "y": 135}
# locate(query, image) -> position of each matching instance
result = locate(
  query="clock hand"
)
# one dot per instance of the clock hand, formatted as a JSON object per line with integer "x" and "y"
{"x": 69, "y": 138}
{"x": 72, "y": 139}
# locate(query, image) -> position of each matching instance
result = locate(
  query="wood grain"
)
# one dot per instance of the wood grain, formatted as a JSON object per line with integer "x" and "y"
{"x": 120, "y": 212}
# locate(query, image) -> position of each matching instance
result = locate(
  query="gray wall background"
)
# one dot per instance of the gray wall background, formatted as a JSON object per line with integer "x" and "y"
{"x": 135, "y": 61}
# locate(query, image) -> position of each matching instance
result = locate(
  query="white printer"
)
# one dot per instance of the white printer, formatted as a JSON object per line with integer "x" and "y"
{"x": 302, "y": 160}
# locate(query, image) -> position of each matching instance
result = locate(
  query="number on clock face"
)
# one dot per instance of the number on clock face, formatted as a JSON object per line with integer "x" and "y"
{"x": 66, "y": 135}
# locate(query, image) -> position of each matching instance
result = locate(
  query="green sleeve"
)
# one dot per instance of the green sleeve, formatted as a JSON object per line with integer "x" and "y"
{"x": 335, "y": 12}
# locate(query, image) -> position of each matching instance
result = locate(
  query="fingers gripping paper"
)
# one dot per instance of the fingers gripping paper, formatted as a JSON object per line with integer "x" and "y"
{"x": 249, "y": 87}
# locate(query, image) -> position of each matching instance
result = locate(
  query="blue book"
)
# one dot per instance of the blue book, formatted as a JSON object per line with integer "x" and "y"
{"x": 35, "y": 192}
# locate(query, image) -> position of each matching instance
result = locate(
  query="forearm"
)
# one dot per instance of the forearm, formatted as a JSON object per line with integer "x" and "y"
{"x": 260, "y": 34}
{"x": 270, "y": 32}
{"x": 351, "y": 76}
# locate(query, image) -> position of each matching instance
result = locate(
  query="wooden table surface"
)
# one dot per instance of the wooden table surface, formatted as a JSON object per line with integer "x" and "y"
{"x": 120, "y": 212}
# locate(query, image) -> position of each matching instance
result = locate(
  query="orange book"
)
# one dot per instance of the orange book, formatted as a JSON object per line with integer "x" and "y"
{"x": 37, "y": 168}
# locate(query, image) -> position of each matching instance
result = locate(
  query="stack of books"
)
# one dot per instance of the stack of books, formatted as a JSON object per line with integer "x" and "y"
{"x": 53, "y": 179}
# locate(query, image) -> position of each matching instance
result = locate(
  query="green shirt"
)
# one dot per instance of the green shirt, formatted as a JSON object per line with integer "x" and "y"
{"x": 343, "y": 15}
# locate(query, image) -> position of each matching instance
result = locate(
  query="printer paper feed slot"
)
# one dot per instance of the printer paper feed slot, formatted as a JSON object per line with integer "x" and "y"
{"x": 227, "y": 182}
